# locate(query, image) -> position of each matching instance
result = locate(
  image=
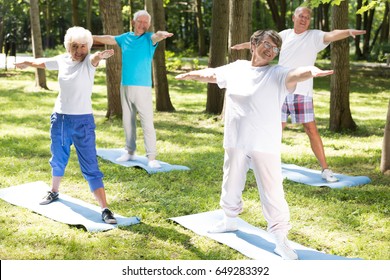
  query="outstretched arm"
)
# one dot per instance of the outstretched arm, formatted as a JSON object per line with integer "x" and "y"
{"x": 37, "y": 63}
{"x": 98, "y": 56}
{"x": 104, "y": 39}
{"x": 160, "y": 35}
{"x": 337, "y": 34}
{"x": 205, "y": 75}
{"x": 301, "y": 74}
{"x": 242, "y": 46}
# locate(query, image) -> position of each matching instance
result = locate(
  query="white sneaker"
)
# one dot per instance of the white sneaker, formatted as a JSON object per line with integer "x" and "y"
{"x": 226, "y": 225}
{"x": 125, "y": 157}
{"x": 154, "y": 164}
{"x": 283, "y": 248}
{"x": 327, "y": 175}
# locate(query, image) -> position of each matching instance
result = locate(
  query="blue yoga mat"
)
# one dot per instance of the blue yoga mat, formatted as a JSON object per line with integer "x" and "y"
{"x": 313, "y": 177}
{"x": 66, "y": 209}
{"x": 251, "y": 241}
{"x": 139, "y": 161}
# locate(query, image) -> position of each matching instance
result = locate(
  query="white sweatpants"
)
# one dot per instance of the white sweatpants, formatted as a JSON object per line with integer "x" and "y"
{"x": 268, "y": 174}
{"x": 138, "y": 99}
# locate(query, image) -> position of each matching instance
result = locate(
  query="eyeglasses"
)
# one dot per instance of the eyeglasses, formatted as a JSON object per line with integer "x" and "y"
{"x": 304, "y": 17}
{"x": 269, "y": 46}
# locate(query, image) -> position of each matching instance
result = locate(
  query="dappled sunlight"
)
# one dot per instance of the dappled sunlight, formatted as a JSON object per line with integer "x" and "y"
{"x": 20, "y": 131}
{"x": 325, "y": 219}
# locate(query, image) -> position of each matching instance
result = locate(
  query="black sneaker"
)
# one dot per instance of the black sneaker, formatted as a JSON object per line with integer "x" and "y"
{"x": 49, "y": 197}
{"x": 108, "y": 217}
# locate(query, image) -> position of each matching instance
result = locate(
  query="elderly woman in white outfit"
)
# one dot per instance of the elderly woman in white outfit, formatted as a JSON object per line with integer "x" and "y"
{"x": 255, "y": 91}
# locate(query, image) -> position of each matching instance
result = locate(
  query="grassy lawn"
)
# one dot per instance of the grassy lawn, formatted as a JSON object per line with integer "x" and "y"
{"x": 351, "y": 222}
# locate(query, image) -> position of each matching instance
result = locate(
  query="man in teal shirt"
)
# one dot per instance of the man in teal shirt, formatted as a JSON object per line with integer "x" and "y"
{"x": 136, "y": 86}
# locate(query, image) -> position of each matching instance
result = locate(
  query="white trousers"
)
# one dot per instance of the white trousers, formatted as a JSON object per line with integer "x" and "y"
{"x": 268, "y": 174}
{"x": 138, "y": 99}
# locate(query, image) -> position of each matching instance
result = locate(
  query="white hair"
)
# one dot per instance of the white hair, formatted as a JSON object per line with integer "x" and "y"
{"x": 301, "y": 8}
{"x": 142, "y": 13}
{"x": 78, "y": 34}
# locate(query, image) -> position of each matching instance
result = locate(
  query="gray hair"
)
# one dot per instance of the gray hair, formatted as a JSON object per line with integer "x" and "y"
{"x": 142, "y": 13}
{"x": 297, "y": 10}
{"x": 78, "y": 34}
{"x": 259, "y": 36}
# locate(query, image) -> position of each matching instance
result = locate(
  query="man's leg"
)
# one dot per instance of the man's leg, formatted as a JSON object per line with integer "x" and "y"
{"x": 316, "y": 143}
{"x": 129, "y": 118}
{"x": 144, "y": 104}
{"x": 302, "y": 111}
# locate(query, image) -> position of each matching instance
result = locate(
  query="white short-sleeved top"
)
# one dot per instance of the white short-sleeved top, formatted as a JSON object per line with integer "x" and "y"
{"x": 254, "y": 96}
{"x": 301, "y": 50}
{"x": 76, "y": 82}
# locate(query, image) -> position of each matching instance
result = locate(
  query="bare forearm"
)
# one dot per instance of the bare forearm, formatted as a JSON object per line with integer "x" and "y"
{"x": 204, "y": 75}
{"x": 104, "y": 39}
{"x": 242, "y": 46}
{"x": 37, "y": 63}
{"x": 338, "y": 34}
{"x": 301, "y": 74}
{"x": 98, "y": 56}
{"x": 160, "y": 35}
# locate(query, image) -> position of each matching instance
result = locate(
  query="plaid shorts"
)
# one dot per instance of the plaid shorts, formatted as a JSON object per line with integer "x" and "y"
{"x": 300, "y": 107}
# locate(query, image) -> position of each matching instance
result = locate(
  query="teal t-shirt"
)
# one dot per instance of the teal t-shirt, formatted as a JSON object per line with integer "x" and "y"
{"x": 137, "y": 56}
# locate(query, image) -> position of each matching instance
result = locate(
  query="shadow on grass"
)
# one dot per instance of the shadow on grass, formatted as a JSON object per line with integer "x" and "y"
{"x": 165, "y": 234}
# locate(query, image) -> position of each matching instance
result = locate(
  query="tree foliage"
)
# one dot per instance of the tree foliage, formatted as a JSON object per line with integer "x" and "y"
{"x": 182, "y": 18}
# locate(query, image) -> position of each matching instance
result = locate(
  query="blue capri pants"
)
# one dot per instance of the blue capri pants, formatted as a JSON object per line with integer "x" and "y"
{"x": 78, "y": 130}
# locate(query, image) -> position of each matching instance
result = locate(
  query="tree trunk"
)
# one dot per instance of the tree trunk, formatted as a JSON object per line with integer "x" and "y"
{"x": 40, "y": 74}
{"x": 385, "y": 160}
{"x": 160, "y": 81}
{"x": 2, "y": 12}
{"x": 202, "y": 51}
{"x": 89, "y": 15}
{"x": 239, "y": 27}
{"x": 75, "y": 13}
{"x": 111, "y": 14}
{"x": 340, "y": 113}
{"x": 358, "y": 50}
{"x": 278, "y": 10}
{"x": 218, "y": 48}
{"x": 384, "y": 37}
{"x": 368, "y": 19}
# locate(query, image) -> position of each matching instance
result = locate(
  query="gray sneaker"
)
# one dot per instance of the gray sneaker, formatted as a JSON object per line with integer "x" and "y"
{"x": 49, "y": 197}
{"x": 328, "y": 175}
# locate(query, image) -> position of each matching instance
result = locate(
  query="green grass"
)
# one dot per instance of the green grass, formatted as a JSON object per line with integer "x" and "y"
{"x": 352, "y": 222}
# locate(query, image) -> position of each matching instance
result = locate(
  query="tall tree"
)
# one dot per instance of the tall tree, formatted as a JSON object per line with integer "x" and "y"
{"x": 163, "y": 100}
{"x": 359, "y": 22}
{"x": 385, "y": 159}
{"x": 218, "y": 50}
{"x": 111, "y": 14}
{"x": 202, "y": 50}
{"x": 3, "y": 8}
{"x": 278, "y": 9}
{"x": 75, "y": 13}
{"x": 240, "y": 27}
{"x": 340, "y": 113}
{"x": 385, "y": 38}
{"x": 368, "y": 20}
{"x": 89, "y": 14}
{"x": 40, "y": 74}
{"x": 385, "y": 32}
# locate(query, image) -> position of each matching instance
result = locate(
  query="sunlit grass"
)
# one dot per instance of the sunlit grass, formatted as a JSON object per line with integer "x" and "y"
{"x": 352, "y": 222}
